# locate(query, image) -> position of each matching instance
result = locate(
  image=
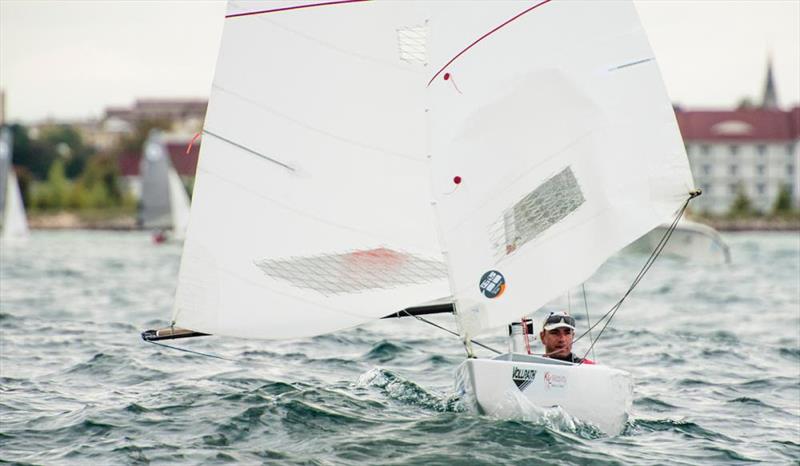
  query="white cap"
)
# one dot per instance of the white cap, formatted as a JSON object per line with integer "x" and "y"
{"x": 557, "y": 320}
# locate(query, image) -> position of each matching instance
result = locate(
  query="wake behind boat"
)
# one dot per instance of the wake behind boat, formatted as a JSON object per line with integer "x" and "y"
{"x": 494, "y": 152}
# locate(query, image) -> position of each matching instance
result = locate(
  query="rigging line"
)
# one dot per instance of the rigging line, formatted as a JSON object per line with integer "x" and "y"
{"x": 247, "y": 149}
{"x": 190, "y": 351}
{"x": 637, "y": 279}
{"x": 651, "y": 260}
{"x": 588, "y": 320}
{"x": 569, "y": 302}
{"x": 648, "y": 264}
{"x": 289, "y": 8}
{"x": 449, "y": 331}
{"x": 475, "y": 42}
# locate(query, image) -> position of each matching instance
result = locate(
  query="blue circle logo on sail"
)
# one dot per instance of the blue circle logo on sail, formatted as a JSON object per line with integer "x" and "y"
{"x": 492, "y": 284}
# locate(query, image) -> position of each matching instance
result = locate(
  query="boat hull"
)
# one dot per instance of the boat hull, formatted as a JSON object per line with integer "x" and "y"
{"x": 515, "y": 385}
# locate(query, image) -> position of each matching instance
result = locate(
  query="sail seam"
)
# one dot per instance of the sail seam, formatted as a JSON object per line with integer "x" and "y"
{"x": 372, "y": 236}
{"x": 301, "y": 124}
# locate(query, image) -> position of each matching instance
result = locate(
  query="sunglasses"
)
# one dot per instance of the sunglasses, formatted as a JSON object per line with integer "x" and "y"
{"x": 557, "y": 319}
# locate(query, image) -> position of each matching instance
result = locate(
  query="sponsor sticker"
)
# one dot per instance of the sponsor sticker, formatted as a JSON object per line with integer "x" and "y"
{"x": 553, "y": 381}
{"x": 522, "y": 377}
{"x": 492, "y": 284}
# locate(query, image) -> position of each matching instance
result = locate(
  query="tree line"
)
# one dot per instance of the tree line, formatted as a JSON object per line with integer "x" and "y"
{"x": 57, "y": 170}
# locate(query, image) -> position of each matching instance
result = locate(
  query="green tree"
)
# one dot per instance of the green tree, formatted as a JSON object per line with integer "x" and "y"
{"x": 100, "y": 183}
{"x": 783, "y": 204}
{"x": 742, "y": 206}
{"x": 67, "y": 143}
{"x": 32, "y": 154}
{"x": 58, "y": 185}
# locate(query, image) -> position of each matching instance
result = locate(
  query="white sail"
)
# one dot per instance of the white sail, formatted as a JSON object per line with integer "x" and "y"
{"x": 15, "y": 224}
{"x": 311, "y": 210}
{"x": 154, "y": 167}
{"x": 689, "y": 240}
{"x": 164, "y": 202}
{"x": 559, "y": 129}
{"x": 12, "y": 210}
{"x": 178, "y": 204}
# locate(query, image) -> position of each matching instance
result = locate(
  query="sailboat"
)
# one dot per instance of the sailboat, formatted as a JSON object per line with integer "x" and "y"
{"x": 690, "y": 240}
{"x": 164, "y": 204}
{"x": 360, "y": 158}
{"x": 13, "y": 222}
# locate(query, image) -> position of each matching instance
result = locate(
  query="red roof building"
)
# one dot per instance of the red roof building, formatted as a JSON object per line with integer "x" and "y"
{"x": 743, "y": 125}
{"x": 185, "y": 164}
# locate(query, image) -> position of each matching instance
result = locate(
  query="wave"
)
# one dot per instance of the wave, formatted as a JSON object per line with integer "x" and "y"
{"x": 398, "y": 388}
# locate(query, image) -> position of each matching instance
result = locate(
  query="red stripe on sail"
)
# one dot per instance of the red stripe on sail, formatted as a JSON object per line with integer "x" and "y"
{"x": 485, "y": 36}
{"x": 296, "y": 7}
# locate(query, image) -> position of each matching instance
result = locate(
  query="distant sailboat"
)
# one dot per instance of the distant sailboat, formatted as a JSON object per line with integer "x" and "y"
{"x": 164, "y": 203}
{"x": 690, "y": 240}
{"x": 361, "y": 158}
{"x": 13, "y": 222}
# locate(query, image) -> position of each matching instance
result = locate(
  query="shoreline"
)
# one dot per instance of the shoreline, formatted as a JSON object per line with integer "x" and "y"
{"x": 93, "y": 221}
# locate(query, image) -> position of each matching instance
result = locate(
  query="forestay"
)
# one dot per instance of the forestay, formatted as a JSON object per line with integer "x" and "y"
{"x": 311, "y": 210}
{"x": 559, "y": 129}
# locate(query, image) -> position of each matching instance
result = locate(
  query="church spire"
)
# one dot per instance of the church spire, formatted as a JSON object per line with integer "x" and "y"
{"x": 770, "y": 99}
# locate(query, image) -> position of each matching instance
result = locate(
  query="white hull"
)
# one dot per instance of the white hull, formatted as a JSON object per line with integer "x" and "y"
{"x": 690, "y": 240}
{"x": 514, "y": 385}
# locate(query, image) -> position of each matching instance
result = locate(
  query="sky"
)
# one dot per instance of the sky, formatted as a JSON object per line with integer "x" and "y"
{"x": 68, "y": 59}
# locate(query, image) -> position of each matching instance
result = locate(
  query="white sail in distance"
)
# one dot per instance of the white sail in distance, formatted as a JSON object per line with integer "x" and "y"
{"x": 13, "y": 222}
{"x": 154, "y": 167}
{"x": 554, "y": 119}
{"x": 311, "y": 209}
{"x": 164, "y": 203}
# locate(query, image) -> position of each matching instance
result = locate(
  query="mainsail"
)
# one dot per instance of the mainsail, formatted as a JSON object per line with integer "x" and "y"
{"x": 164, "y": 202}
{"x": 13, "y": 222}
{"x": 541, "y": 132}
{"x": 154, "y": 207}
{"x": 311, "y": 209}
{"x": 557, "y": 125}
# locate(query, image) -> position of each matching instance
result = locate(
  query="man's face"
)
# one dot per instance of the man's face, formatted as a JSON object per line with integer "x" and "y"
{"x": 558, "y": 341}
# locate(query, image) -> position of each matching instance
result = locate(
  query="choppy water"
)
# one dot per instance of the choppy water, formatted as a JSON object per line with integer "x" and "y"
{"x": 714, "y": 350}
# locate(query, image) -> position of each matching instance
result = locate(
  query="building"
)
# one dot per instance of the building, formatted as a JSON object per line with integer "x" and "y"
{"x": 187, "y": 114}
{"x": 753, "y": 152}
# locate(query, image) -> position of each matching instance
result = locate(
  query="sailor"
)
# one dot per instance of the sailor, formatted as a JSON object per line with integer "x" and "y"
{"x": 557, "y": 334}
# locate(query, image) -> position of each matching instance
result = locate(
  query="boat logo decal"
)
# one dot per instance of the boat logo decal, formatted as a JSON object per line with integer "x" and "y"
{"x": 492, "y": 284}
{"x": 552, "y": 381}
{"x": 522, "y": 377}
